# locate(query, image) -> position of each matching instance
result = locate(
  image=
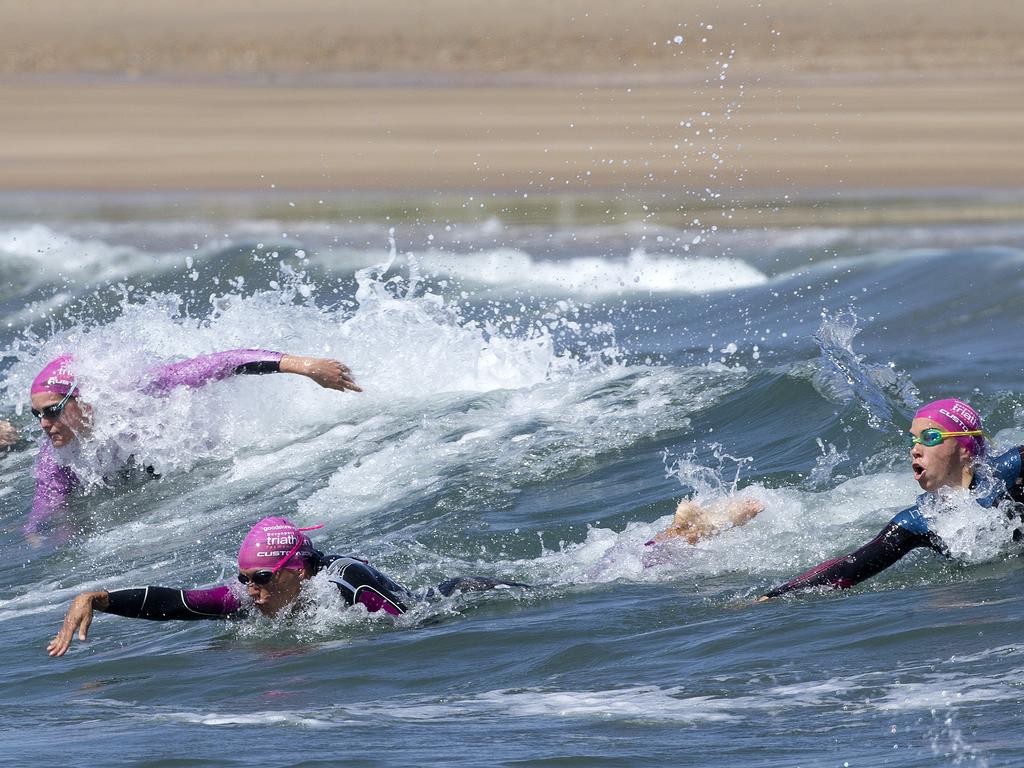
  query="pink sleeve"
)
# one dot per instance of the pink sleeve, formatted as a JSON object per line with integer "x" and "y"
{"x": 54, "y": 484}
{"x": 198, "y": 371}
{"x": 218, "y": 601}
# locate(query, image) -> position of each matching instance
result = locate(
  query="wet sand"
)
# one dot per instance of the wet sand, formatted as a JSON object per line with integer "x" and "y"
{"x": 123, "y": 96}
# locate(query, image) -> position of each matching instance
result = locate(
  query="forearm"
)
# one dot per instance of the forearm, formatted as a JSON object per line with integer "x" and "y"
{"x": 167, "y": 604}
{"x": 843, "y": 572}
{"x": 293, "y": 364}
{"x": 201, "y": 370}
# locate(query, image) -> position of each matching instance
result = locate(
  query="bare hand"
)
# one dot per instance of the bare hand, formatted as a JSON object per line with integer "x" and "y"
{"x": 79, "y": 617}
{"x": 328, "y": 373}
{"x": 8, "y": 434}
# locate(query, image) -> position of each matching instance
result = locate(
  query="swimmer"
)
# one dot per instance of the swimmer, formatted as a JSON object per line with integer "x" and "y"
{"x": 65, "y": 417}
{"x": 948, "y": 451}
{"x": 694, "y": 522}
{"x": 275, "y": 559}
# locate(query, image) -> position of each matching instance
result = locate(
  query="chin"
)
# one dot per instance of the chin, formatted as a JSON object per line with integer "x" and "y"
{"x": 269, "y": 611}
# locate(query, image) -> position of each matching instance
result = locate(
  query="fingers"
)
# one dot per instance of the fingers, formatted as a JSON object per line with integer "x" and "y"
{"x": 79, "y": 616}
{"x": 60, "y": 644}
{"x": 346, "y": 381}
{"x": 83, "y": 628}
{"x": 334, "y": 375}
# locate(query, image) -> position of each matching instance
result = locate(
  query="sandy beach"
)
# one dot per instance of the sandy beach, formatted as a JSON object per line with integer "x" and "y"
{"x": 523, "y": 98}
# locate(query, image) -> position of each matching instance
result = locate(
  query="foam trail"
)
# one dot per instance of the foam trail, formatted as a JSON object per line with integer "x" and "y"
{"x": 594, "y": 275}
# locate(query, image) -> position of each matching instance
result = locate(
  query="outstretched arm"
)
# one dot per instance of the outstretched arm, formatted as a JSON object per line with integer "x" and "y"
{"x": 694, "y": 522}
{"x": 154, "y": 603}
{"x": 201, "y": 370}
{"x": 891, "y": 544}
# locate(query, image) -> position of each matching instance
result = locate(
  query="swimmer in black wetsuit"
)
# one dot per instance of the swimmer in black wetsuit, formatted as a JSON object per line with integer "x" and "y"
{"x": 274, "y": 560}
{"x": 948, "y": 452}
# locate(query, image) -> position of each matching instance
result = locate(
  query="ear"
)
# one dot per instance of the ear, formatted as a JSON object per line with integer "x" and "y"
{"x": 966, "y": 457}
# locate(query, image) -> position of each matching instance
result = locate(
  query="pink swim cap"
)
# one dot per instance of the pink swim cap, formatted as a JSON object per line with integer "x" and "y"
{"x": 56, "y": 377}
{"x": 955, "y": 416}
{"x": 276, "y": 543}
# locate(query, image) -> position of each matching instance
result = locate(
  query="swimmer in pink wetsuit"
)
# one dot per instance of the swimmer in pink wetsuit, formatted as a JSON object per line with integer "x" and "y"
{"x": 273, "y": 562}
{"x": 64, "y": 417}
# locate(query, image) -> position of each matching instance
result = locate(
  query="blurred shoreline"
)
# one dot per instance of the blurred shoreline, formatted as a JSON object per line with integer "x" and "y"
{"x": 584, "y": 99}
{"x": 743, "y": 211}
{"x": 131, "y": 137}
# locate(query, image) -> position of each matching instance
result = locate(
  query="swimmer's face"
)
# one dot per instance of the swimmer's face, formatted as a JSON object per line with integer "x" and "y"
{"x": 283, "y": 588}
{"x": 73, "y": 420}
{"x": 947, "y": 464}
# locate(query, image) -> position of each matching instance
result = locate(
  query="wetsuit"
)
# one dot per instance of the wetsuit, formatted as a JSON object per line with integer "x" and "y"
{"x": 910, "y": 529}
{"x": 55, "y": 482}
{"x": 357, "y": 581}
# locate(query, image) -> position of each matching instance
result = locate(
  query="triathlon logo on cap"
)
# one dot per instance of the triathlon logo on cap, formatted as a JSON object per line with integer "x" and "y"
{"x": 961, "y": 414}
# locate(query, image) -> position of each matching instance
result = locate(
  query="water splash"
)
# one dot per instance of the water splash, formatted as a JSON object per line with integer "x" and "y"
{"x": 707, "y": 483}
{"x": 972, "y": 533}
{"x": 825, "y": 465}
{"x": 885, "y": 394}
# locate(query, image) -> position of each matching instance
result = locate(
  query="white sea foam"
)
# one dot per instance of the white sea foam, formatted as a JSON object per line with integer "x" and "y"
{"x": 594, "y": 275}
{"x": 642, "y": 703}
{"x": 37, "y": 252}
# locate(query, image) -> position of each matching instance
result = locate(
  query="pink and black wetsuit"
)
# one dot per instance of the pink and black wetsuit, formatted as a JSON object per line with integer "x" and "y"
{"x": 910, "y": 529}
{"x": 55, "y": 482}
{"x": 358, "y": 582}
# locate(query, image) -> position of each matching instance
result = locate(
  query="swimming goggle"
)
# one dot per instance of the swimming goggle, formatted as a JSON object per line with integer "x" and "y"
{"x": 53, "y": 412}
{"x": 260, "y": 578}
{"x": 932, "y": 437}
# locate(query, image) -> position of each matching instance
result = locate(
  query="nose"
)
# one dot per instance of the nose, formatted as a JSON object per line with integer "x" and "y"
{"x": 255, "y": 590}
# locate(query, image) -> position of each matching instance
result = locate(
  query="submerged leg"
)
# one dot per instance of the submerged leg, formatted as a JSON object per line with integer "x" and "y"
{"x": 473, "y": 584}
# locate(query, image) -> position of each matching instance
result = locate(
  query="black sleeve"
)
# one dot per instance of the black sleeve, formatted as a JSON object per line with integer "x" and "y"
{"x": 161, "y": 604}
{"x": 892, "y": 543}
{"x": 258, "y": 368}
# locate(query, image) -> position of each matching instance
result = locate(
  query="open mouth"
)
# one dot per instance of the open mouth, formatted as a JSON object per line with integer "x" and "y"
{"x": 918, "y": 470}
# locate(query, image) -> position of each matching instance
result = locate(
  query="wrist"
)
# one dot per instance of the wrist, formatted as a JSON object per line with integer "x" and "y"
{"x": 100, "y": 599}
{"x": 292, "y": 364}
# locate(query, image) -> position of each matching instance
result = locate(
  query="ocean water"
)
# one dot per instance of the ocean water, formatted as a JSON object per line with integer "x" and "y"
{"x": 537, "y": 399}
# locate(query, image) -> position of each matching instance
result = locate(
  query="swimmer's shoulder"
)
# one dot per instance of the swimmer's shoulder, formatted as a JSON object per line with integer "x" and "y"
{"x": 912, "y": 519}
{"x": 1007, "y": 465}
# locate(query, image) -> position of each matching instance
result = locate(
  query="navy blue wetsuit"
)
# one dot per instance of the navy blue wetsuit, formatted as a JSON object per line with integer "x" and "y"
{"x": 910, "y": 529}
